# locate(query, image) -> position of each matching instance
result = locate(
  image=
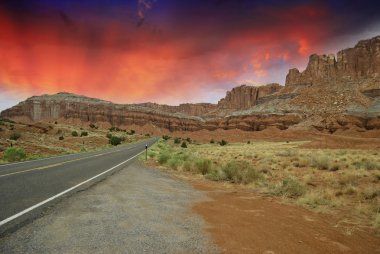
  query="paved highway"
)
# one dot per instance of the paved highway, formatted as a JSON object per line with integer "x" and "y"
{"x": 29, "y": 185}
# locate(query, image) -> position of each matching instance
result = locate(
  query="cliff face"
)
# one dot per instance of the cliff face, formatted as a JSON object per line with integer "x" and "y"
{"x": 243, "y": 97}
{"x": 351, "y": 65}
{"x": 330, "y": 94}
{"x": 197, "y": 109}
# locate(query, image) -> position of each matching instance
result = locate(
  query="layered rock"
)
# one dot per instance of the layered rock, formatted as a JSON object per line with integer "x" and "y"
{"x": 351, "y": 65}
{"x": 330, "y": 94}
{"x": 244, "y": 97}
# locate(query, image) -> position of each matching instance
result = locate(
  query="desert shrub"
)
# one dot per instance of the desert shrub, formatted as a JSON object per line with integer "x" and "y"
{"x": 177, "y": 141}
{"x": 184, "y": 145}
{"x": 61, "y": 138}
{"x": 93, "y": 126}
{"x": 187, "y": 165}
{"x": 212, "y": 141}
{"x": 14, "y": 154}
{"x": 240, "y": 172}
{"x": 376, "y": 220}
{"x": 74, "y": 134}
{"x": 223, "y": 142}
{"x": 131, "y": 132}
{"x": 84, "y": 134}
{"x": 290, "y": 188}
{"x": 216, "y": 175}
{"x": 188, "y": 140}
{"x": 163, "y": 157}
{"x": 147, "y": 135}
{"x": 15, "y": 136}
{"x": 109, "y": 135}
{"x": 174, "y": 162}
{"x": 370, "y": 165}
{"x": 203, "y": 166}
{"x": 1, "y": 129}
{"x": 320, "y": 162}
{"x": 166, "y": 137}
{"x": 287, "y": 153}
{"x": 334, "y": 167}
{"x": 114, "y": 140}
{"x": 248, "y": 142}
{"x": 113, "y": 128}
{"x": 55, "y": 122}
{"x": 314, "y": 199}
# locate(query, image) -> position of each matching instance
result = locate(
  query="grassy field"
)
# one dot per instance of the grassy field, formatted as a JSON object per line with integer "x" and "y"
{"x": 344, "y": 182}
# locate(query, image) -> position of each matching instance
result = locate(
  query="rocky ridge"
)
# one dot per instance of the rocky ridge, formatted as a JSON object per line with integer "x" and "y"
{"x": 331, "y": 93}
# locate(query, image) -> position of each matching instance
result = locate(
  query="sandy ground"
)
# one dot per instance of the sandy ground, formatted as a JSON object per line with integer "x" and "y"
{"x": 245, "y": 222}
{"x": 137, "y": 210}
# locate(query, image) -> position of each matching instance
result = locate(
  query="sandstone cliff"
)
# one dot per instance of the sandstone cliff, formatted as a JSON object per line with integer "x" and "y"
{"x": 243, "y": 97}
{"x": 358, "y": 64}
{"x": 331, "y": 94}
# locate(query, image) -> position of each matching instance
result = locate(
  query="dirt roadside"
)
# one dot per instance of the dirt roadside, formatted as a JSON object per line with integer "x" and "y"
{"x": 245, "y": 222}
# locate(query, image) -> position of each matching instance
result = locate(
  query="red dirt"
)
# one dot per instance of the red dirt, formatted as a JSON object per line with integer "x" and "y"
{"x": 245, "y": 222}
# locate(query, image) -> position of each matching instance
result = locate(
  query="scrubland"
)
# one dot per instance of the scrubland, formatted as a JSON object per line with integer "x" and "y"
{"x": 343, "y": 182}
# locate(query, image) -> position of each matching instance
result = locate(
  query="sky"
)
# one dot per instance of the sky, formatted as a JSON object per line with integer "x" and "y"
{"x": 167, "y": 51}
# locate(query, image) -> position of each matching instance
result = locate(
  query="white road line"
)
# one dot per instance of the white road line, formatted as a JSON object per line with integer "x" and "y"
{"x": 3, "y": 222}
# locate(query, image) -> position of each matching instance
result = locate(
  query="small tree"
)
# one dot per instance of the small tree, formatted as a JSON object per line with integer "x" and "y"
{"x": 115, "y": 141}
{"x": 15, "y": 136}
{"x": 184, "y": 145}
{"x": 223, "y": 142}
{"x": 74, "y": 134}
{"x": 84, "y": 133}
{"x": 14, "y": 154}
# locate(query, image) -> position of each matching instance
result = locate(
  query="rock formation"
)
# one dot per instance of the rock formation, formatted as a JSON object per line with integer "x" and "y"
{"x": 331, "y": 94}
{"x": 244, "y": 97}
{"x": 356, "y": 64}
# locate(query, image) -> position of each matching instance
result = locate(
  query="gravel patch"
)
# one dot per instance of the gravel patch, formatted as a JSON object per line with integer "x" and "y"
{"x": 136, "y": 210}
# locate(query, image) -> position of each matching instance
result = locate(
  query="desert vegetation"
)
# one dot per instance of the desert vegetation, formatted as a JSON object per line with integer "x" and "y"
{"x": 343, "y": 181}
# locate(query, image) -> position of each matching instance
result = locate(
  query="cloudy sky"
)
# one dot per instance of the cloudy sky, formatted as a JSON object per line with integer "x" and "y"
{"x": 167, "y": 51}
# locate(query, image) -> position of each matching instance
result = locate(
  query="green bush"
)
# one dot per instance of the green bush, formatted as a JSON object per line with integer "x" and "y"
{"x": 184, "y": 145}
{"x": 177, "y": 140}
{"x": 15, "y": 136}
{"x": 163, "y": 157}
{"x": 84, "y": 133}
{"x": 174, "y": 163}
{"x": 223, "y": 142}
{"x": 240, "y": 172}
{"x": 109, "y": 135}
{"x": 74, "y": 134}
{"x": 61, "y": 138}
{"x": 290, "y": 188}
{"x": 203, "y": 166}
{"x": 166, "y": 137}
{"x": 14, "y": 154}
{"x": 115, "y": 141}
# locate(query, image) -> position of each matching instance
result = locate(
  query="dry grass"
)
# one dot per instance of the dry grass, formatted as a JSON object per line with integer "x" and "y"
{"x": 328, "y": 180}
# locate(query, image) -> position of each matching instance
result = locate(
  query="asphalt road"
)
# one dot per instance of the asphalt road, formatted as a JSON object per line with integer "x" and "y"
{"x": 23, "y": 185}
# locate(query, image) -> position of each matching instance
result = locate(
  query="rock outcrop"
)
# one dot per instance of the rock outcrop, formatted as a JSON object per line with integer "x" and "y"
{"x": 244, "y": 97}
{"x": 356, "y": 64}
{"x": 331, "y": 94}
